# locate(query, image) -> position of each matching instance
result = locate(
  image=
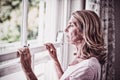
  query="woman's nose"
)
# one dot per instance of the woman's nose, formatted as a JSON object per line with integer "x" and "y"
{"x": 66, "y": 29}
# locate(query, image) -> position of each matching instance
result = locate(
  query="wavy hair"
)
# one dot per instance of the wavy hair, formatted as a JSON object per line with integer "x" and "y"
{"x": 92, "y": 34}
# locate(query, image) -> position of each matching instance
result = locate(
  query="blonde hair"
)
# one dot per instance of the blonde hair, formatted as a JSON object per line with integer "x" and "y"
{"x": 92, "y": 34}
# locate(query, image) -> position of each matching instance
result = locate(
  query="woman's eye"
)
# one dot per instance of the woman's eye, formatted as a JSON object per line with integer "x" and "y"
{"x": 71, "y": 25}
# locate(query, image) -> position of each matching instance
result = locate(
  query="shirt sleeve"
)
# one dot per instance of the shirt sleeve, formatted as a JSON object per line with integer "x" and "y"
{"x": 84, "y": 73}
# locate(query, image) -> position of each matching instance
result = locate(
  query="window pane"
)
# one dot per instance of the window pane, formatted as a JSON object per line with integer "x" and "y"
{"x": 36, "y": 22}
{"x": 40, "y": 60}
{"x": 15, "y": 76}
{"x": 10, "y": 23}
{"x": 33, "y": 17}
{"x": 11, "y": 70}
{"x": 44, "y": 65}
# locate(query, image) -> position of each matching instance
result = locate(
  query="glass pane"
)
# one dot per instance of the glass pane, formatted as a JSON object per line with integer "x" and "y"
{"x": 44, "y": 65}
{"x": 36, "y": 22}
{"x": 11, "y": 70}
{"x": 33, "y": 16}
{"x": 14, "y": 76}
{"x": 10, "y": 23}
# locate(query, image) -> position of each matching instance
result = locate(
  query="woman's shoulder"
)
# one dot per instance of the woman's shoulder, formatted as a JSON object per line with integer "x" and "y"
{"x": 85, "y": 69}
{"x": 89, "y": 67}
{"x": 86, "y": 64}
{"x": 92, "y": 61}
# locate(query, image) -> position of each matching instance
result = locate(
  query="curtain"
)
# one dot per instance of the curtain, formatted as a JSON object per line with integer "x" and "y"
{"x": 105, "y": 10}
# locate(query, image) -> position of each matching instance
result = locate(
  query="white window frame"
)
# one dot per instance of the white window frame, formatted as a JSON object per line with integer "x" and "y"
{"x": 66, "y": 15}
{"x": 63, "y": 14}
{"x": 13, "y": 54}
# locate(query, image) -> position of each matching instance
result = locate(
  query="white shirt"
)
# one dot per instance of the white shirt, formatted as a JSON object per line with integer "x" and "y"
{"x": 88, "y": 69}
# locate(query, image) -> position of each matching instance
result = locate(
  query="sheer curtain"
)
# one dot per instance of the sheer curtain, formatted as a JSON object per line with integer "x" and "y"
{"x": 105, "y": 10}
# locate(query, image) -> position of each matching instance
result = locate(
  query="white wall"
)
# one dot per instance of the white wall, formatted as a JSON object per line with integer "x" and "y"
{"x": 75, "y": 5}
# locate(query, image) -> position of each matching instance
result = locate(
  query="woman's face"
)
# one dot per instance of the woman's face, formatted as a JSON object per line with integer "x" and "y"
{"x": 73, "y": 31}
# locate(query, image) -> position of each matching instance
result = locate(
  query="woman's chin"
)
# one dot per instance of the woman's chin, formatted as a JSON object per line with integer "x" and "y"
{"x": 71, "y": 42}
{"x": 74, "y": 42}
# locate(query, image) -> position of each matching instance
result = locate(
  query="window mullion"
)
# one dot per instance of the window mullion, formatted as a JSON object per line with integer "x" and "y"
{"x": 66, "y": 14}
{"x": 24, "y": 23}
{"x": 24, "y": 27}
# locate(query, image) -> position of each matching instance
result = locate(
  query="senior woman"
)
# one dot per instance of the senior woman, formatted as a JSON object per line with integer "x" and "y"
{"x": 85, "y": 32}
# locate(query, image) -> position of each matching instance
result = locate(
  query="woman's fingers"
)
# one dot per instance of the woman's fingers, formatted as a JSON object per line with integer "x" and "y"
{"x": 25, "y": 55}
{"x": 47, "y": 47}
{"x": 52, "y": 51}
{"x": 50, "y": 47}
{"x": 25, "y": 58}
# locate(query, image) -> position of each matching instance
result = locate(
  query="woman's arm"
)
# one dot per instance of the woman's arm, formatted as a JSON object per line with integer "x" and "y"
{"x": 31, "y": 76}
{"x": 52, "y": 51}
{"x": 25, "y": 59}
{"x": 58, "y": 69}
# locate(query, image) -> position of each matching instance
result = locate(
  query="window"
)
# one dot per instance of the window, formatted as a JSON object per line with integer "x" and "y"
{"x": 31, "y": 22}
{"x": 10, "y": 24}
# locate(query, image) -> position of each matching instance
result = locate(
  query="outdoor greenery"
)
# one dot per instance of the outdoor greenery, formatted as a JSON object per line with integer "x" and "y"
{"x": 11, "y": 20}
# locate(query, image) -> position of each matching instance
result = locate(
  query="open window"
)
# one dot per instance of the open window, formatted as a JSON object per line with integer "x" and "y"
{"x": 10, "y": 24}
{"x": 28, "y": 22}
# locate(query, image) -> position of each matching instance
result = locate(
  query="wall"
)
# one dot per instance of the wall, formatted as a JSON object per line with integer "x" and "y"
{"x": 117, "y": 40}
{"x": 74, "y": 5}
{"x": 117, "y": 37}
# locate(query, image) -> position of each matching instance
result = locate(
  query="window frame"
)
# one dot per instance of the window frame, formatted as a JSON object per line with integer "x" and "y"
{"x": 12, "y": 57}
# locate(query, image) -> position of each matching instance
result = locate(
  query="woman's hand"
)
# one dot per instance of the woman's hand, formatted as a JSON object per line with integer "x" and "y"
{"x": 52, "y": 51}
{"x": 25, "y": 59}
